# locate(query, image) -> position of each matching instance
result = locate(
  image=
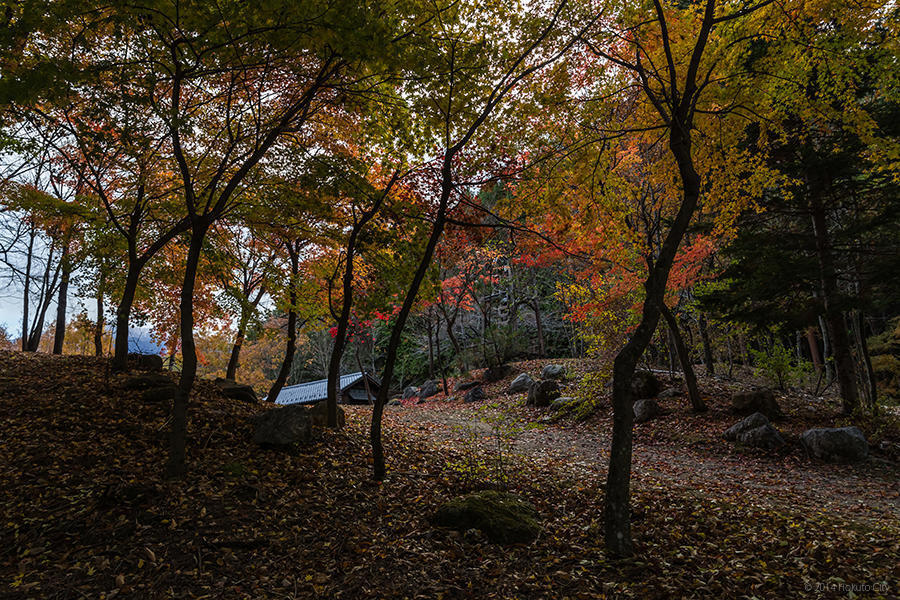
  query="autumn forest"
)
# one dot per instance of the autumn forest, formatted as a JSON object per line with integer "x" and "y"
{"x": 403, "y": 299}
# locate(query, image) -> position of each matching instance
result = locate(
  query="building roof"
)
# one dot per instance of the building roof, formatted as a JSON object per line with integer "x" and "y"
{"x": 316, "y": 391}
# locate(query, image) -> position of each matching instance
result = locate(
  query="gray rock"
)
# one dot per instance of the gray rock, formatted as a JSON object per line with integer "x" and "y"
{"x": 838, "y": 444}
{"x": 394, "y": 402}
{"x": 520, "y": 384}
{"x": 561, "y": 403}
{"x": 237, "y": 391}
{"x": 476, "y": 394}
{"x": 646, "y": 409}
{"x": 283, "y": 426}
{"x": 160, "y": 395}
{"x": 318, "y": 414}
{"x": 670, "y": 393}
{"x": 553, "y": 372}
{"x": 503, "y": 518}
{"x": 148, "y": 381}
{"x": 410, "y": 392}
{"x": 462, "y": 386}
{"x": 644, "y": 384}
{"x": 428, "y": 389}
{"x": 145, "y": 362}
{"x": 752, "y": 422}
{"x": 543, "y": 392}
{"x": 753, "y": 401}
{"x": 764, "y": 436}
{"x": 493, "y": 374}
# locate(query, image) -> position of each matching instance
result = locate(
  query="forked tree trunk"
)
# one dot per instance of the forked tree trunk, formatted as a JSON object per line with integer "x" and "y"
{"x": 231, "y": 370}
{"x": 690, "y": 378}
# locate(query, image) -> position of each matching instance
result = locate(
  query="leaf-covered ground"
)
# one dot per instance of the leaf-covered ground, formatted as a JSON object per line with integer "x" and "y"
{"x": 86, "y": 513}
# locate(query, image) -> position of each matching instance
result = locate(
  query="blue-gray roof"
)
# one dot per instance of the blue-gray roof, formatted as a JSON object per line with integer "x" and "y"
{"x": 314, "y": 391}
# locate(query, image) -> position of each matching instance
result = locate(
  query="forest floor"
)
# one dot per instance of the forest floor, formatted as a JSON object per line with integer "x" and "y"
{"x": 86, "y": 512}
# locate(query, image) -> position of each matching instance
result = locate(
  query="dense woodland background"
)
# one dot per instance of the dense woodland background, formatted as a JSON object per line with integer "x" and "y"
{"x": 425, "y": 190}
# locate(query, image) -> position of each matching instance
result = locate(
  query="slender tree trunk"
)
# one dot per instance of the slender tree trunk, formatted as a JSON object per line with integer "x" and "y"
{"x": 840, "y": 339}
{"x": 617, "y": 512}
{"x": 690, "y": 378}
{"x": 430, "y": 349}
{"x": 289, "y": 350}
{"x": 60, "y": 333}
{"x": 26, "y": 295}
{"x": 98, "y": 327}
{"x": 707, "y": 346}
{"x": 123, "y": 314}
{"x": 539, "y": 324}
{"x": 826, "y": 351}
{"x": 379, "y": 469}
{"x": 178, "y": 440}
{"x": 291, "y": 346}
{"x": 231, "y": 370}
{"x": 865, "y": 359}
{"x": 814, "y": 349}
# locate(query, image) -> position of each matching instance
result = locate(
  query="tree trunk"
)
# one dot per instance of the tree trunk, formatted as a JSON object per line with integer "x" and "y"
{"x": 178, "y": 440}
{"x": 26, "y": 295}
{"x": 813, "y": 344}
{"x": 60, "y": 333}
{"x": 690, "y": 378}
{"x": 379, "y": 469}
{"x": 430, "y": 347}
{"x": 617, "y": 514}
{"x": 289, "y": 351}
{"x": 707, "y": 346}
{"x": 123, "y": 314}
{"x": 837, "y": 325}
{"x": 291, "y": 346}
{"x": 231, "y": 370}
{"x": 539, "y": 324}
{"x": 98, "y": 327}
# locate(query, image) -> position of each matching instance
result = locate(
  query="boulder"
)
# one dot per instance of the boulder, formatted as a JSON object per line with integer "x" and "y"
{"x": 752, "y": 422}
{"x": 145, "y": 362}
{"x": 283, "y": 426}
{"x": 520, "y": 384}
{"x": 462, "y": 386}
{"x": 394, "y": 402}
{"x": 838, "y": 444}
{"x": 646, "y": 409}
{"x": 492, "y": 374}
{"x": 158, "y": 395}
{"x": 765, "y": 436}
{"x": 502, "y": 517}
{"x": 237, "y": 391}
{"x": 428, "y": 389}
{"x": 476, "y": 394}
{"x": 753, "y": 401}
{"x": 148, "y": 381}
{"x": 543, "y": 392}
{"x": 318, "y": 414}
{"x": 644, "y": 384}
{"x": 553, "y": 372}
{"x": 410, "y": 392}
{"x": 561, "y": 403}
{"x": 670, "y": 393}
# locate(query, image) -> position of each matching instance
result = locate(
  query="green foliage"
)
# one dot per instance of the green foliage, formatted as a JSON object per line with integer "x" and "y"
{"x": 777, "y": 364}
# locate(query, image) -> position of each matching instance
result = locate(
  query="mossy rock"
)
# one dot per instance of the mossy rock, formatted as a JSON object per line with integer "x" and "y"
{"x": 502, "y": 517}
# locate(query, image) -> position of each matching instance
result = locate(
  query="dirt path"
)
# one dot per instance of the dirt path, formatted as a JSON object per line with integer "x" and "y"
{"x": 868, "y": 491}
